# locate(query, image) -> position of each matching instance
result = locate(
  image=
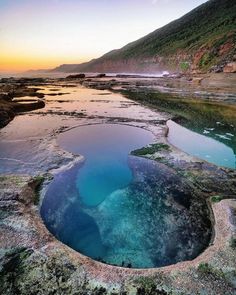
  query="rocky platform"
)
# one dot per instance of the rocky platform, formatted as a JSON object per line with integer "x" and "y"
{"x": 32, "y": 261}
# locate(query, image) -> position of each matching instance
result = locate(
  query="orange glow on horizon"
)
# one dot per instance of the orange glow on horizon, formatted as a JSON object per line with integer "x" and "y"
{"x": 44, "y": 34}
{"x": 20, "y": 63}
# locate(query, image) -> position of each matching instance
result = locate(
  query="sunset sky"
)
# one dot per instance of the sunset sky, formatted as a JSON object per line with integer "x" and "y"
{"x": 43, "y": 34}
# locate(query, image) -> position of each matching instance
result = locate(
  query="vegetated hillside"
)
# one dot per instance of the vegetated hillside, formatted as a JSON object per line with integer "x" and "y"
{"x": 202, "y": 40}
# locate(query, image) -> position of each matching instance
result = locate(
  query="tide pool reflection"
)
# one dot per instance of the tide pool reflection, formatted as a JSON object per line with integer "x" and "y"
{"x": 201, "y": 146}
{"x": 106, "y": 149}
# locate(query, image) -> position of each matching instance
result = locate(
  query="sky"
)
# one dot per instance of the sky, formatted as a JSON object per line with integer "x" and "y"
{"x": 43, "y": 34}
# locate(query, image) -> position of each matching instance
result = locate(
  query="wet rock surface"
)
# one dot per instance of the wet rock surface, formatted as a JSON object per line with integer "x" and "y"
{"x": 11, "y": 88}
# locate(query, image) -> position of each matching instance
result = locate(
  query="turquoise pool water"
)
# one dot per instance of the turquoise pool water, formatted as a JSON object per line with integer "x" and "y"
{"x": 106, "y": 149}
{"x": 205, "y": 146}
{"x": 121, "y": 209}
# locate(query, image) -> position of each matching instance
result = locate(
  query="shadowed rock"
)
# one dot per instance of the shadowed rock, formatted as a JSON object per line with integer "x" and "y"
{"x": 78, "y": 76}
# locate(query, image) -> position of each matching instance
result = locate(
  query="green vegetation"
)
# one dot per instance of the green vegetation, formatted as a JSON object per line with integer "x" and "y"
{"x": 36, "y": 185}
{"x": 39, "y": 179}
{"x": 200, "y": 33}
{"x": 151, "y": 149}
{"x": 184, "y": 66}
{"x": 148, "y": 286}
{"x": 16, "y": 180}
{"x": 207, "y": 60}
{"x": 216, "y": 199}
{"x": 232, "y": 243}
{"x": 13, "y": 259}
{"x": 206, "y": 269}
{"x": 202, "y": 26}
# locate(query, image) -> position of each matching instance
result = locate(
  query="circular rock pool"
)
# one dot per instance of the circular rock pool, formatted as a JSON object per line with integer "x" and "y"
{"x": 121, "y": 209}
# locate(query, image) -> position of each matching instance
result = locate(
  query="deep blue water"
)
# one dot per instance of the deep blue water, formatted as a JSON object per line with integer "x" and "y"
{"x": 120, "y": 209}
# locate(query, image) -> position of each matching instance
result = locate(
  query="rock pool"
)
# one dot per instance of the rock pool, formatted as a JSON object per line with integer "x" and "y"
{"x": 121, "y": 209}
{"x": 212, "y": 145}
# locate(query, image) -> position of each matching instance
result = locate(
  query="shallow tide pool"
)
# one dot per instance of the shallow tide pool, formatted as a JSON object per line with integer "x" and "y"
{"x": 121, "y": 209}
{"x": 204, "y": 146}
{"x": 26, "y": 143}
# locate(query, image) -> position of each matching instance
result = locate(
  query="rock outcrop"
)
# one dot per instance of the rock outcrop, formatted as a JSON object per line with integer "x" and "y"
{"x": 230, "y": 68}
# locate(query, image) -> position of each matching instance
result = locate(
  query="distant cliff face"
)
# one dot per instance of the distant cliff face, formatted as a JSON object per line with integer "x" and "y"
{"x": 201, "y": 41}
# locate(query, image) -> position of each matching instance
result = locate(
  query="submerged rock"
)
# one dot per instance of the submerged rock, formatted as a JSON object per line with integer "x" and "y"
{"x": 154, "y": 221}
{"x": 32, "y": 261}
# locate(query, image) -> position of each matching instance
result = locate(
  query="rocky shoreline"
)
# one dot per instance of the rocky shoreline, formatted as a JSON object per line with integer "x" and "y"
{"x": 212, "y": 87}
{"x": 32, "y": 261}
{"x": 12, "y": 88}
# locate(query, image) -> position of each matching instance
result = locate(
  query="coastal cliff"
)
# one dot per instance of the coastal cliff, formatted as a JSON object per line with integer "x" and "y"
{"x": 201, "y": 41}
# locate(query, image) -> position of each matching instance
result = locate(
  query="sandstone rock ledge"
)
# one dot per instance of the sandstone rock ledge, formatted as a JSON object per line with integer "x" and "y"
{"x": 32, "y": 261}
